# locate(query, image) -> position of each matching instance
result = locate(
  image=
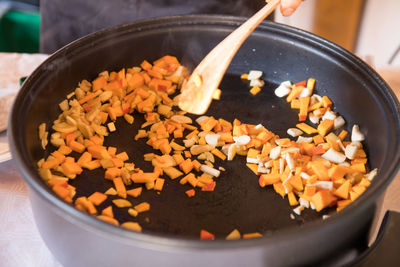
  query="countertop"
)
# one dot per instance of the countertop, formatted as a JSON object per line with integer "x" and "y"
{"x": 20, "y": 242}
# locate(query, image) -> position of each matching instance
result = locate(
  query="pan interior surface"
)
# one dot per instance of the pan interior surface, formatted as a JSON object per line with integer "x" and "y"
{"x": 238, "y": 201}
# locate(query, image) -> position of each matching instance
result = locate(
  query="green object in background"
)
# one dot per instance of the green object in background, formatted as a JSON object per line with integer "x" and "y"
{"x": 20, "y": 32}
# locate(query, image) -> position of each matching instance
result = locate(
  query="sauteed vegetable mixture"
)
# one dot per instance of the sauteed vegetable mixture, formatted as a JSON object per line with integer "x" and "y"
{"x": 315, "y": 169}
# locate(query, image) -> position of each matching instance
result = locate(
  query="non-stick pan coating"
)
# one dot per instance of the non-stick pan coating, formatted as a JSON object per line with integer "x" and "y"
{"x": 281, "y": 53}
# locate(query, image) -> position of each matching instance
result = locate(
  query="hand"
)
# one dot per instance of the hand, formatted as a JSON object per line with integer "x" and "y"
{"x": 289, "y": 6}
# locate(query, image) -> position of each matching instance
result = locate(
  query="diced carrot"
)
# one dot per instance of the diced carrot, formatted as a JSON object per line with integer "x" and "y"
{"x": 271, "y": 178}
{"x": 192, "y": 180}
{"x": 69, "y": 160}
{"x": 292, "y": 199}
{"x": 253, "y": 153}
{"x": 112, "y": 113}
{"x": 86, "y": 204}
{"x": 279, "y": 188}
{"x": 310, "y": 83}
{"x": 91, "y": 165}
{"x": 99, "y": 83}
{"x": 205, "y": 178}
{"x": 61, "y": 191}
{"x": 136, "y": 81}
{"x": 158, "y": 170}
{"x": 178, "y": 158}
{"x": 186, "y": 166}
{"x": 358, "y": 167}
{"x": 142, "y": 207}
{"x": 172, "y": 172}
{"x": 97, "y": 198}
{"x": 187, "y": 154}
{"x": 191, "y": 134}
{"x": 342, "y": 135}
{"x": 306, "y": 128}
{"x": 296, "y": 91}
{"x": 244, "y": 76}
{"x": 165, "y": 148}
{"x": 310, "y": 190}
{"x": 85, "y": 157}
{"x": 58, "y": 181}
{"x": 159, "y": 183}
{"x": 320, "y": 170}
{"x": 64, "y": 150}
{"x": 97, "y": 140}
{"x": 112, "y": 151}
{"x": 190, "y": 192}
{"x": 89, "y": 96}
{"x": 336, "y": 172}
{"x": 99, "y": 152}
{"x": 304, "y": 102}
{"x": 208, "y": 124}
{"x": 135, "y": 192}
{"x": 77, "y": 147}
{"x": 117, "y": 162}
{"x": 71, "y": 168}
{"x": 360, "y": 153}
{"x": 69, "y": 137}
{"x": 122, "y": 156}
{"x": 146, "y": 65}
{"x": 253, "y": 167}
{"x": 196, "y": 165}
{"x": 205, "y": 235}
{"x": 112, "y": 173}
{"x": 322, "y": 199}
{"x": 318, "y": 139}
{"x": 265, "y": 136}
{"x": 108, "y": 220}
{"x": 59, "y": 156}
{"x": 302, "y": 83}
{"x": 255, "y": 90}
{"x": 218, "y": 153}
{"x": 144, "y": 177}
{"x": 209, "y": 187}
{"x": 341, "y": 204}
{"x": 324, "y": 127}
{"x": 315, "y": 106}
{"x": 326, "y": 101}
{"x": 178, "y": 133}
{"x": 122, "y": 203}
{"x": 108, "y": 212}
{"x": 120, "y": 187}
{"x": 318, "y": 150}
{"x": 365, "y": 182}
{"x": 295, "y": 104}
{"x": 251, "y": 235}
{"x": 343, "y": 190}
{"x": 296, "y": 182}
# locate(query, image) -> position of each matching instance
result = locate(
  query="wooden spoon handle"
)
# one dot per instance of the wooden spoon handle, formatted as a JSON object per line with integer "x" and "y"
{"x": 195, "y": 97}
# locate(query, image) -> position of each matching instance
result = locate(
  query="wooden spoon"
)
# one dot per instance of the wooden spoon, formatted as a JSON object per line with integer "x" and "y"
{"x": 197, "y": 92}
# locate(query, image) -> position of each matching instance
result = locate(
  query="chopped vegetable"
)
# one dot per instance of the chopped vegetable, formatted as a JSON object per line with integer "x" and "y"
{"x": 205, "y": 235}
{"x": 234, "y": 235}
{"x": 319, "y": 170}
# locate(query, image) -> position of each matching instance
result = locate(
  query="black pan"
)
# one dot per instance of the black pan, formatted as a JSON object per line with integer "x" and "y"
{"x": 171, "y": 228}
